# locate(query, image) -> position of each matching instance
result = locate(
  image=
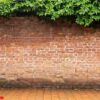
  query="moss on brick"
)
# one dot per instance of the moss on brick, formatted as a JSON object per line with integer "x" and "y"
{"x": 3, "y": 82}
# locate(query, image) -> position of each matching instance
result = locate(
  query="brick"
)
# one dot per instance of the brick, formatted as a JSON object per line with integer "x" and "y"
{"x": 34, "y": 53}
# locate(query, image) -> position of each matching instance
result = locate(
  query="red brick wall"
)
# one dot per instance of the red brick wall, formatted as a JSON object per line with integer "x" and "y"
{"x": 38, "y": 53}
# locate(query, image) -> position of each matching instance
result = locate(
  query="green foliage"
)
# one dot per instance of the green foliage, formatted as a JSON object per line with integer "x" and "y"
{"x": 84, "y": 11}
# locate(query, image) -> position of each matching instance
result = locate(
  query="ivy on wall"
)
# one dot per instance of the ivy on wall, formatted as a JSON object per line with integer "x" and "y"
{"x": 85, "y": 12}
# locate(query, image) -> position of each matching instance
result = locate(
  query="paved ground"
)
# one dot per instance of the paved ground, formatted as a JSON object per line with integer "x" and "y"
{"x": 49, "y": 94}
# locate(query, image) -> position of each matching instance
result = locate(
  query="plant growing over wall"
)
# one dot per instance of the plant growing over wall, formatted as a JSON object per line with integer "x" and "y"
{"x": 84, "y": 11}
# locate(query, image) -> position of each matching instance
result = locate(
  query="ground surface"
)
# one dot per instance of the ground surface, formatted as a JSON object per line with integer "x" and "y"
{"x": 49, "y": 94}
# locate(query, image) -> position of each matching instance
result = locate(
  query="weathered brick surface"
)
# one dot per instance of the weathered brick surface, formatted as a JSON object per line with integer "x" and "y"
{"x": 35, "y": 53}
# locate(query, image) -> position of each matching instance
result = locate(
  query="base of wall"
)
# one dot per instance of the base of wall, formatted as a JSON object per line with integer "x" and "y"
{"x": 27, "y": 84}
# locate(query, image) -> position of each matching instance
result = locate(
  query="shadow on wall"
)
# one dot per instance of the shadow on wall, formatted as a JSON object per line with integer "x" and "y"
{"x": 33, "y": 26}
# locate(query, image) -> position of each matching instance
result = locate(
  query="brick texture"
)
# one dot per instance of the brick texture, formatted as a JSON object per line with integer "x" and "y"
{"x": 37, "y": 53}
